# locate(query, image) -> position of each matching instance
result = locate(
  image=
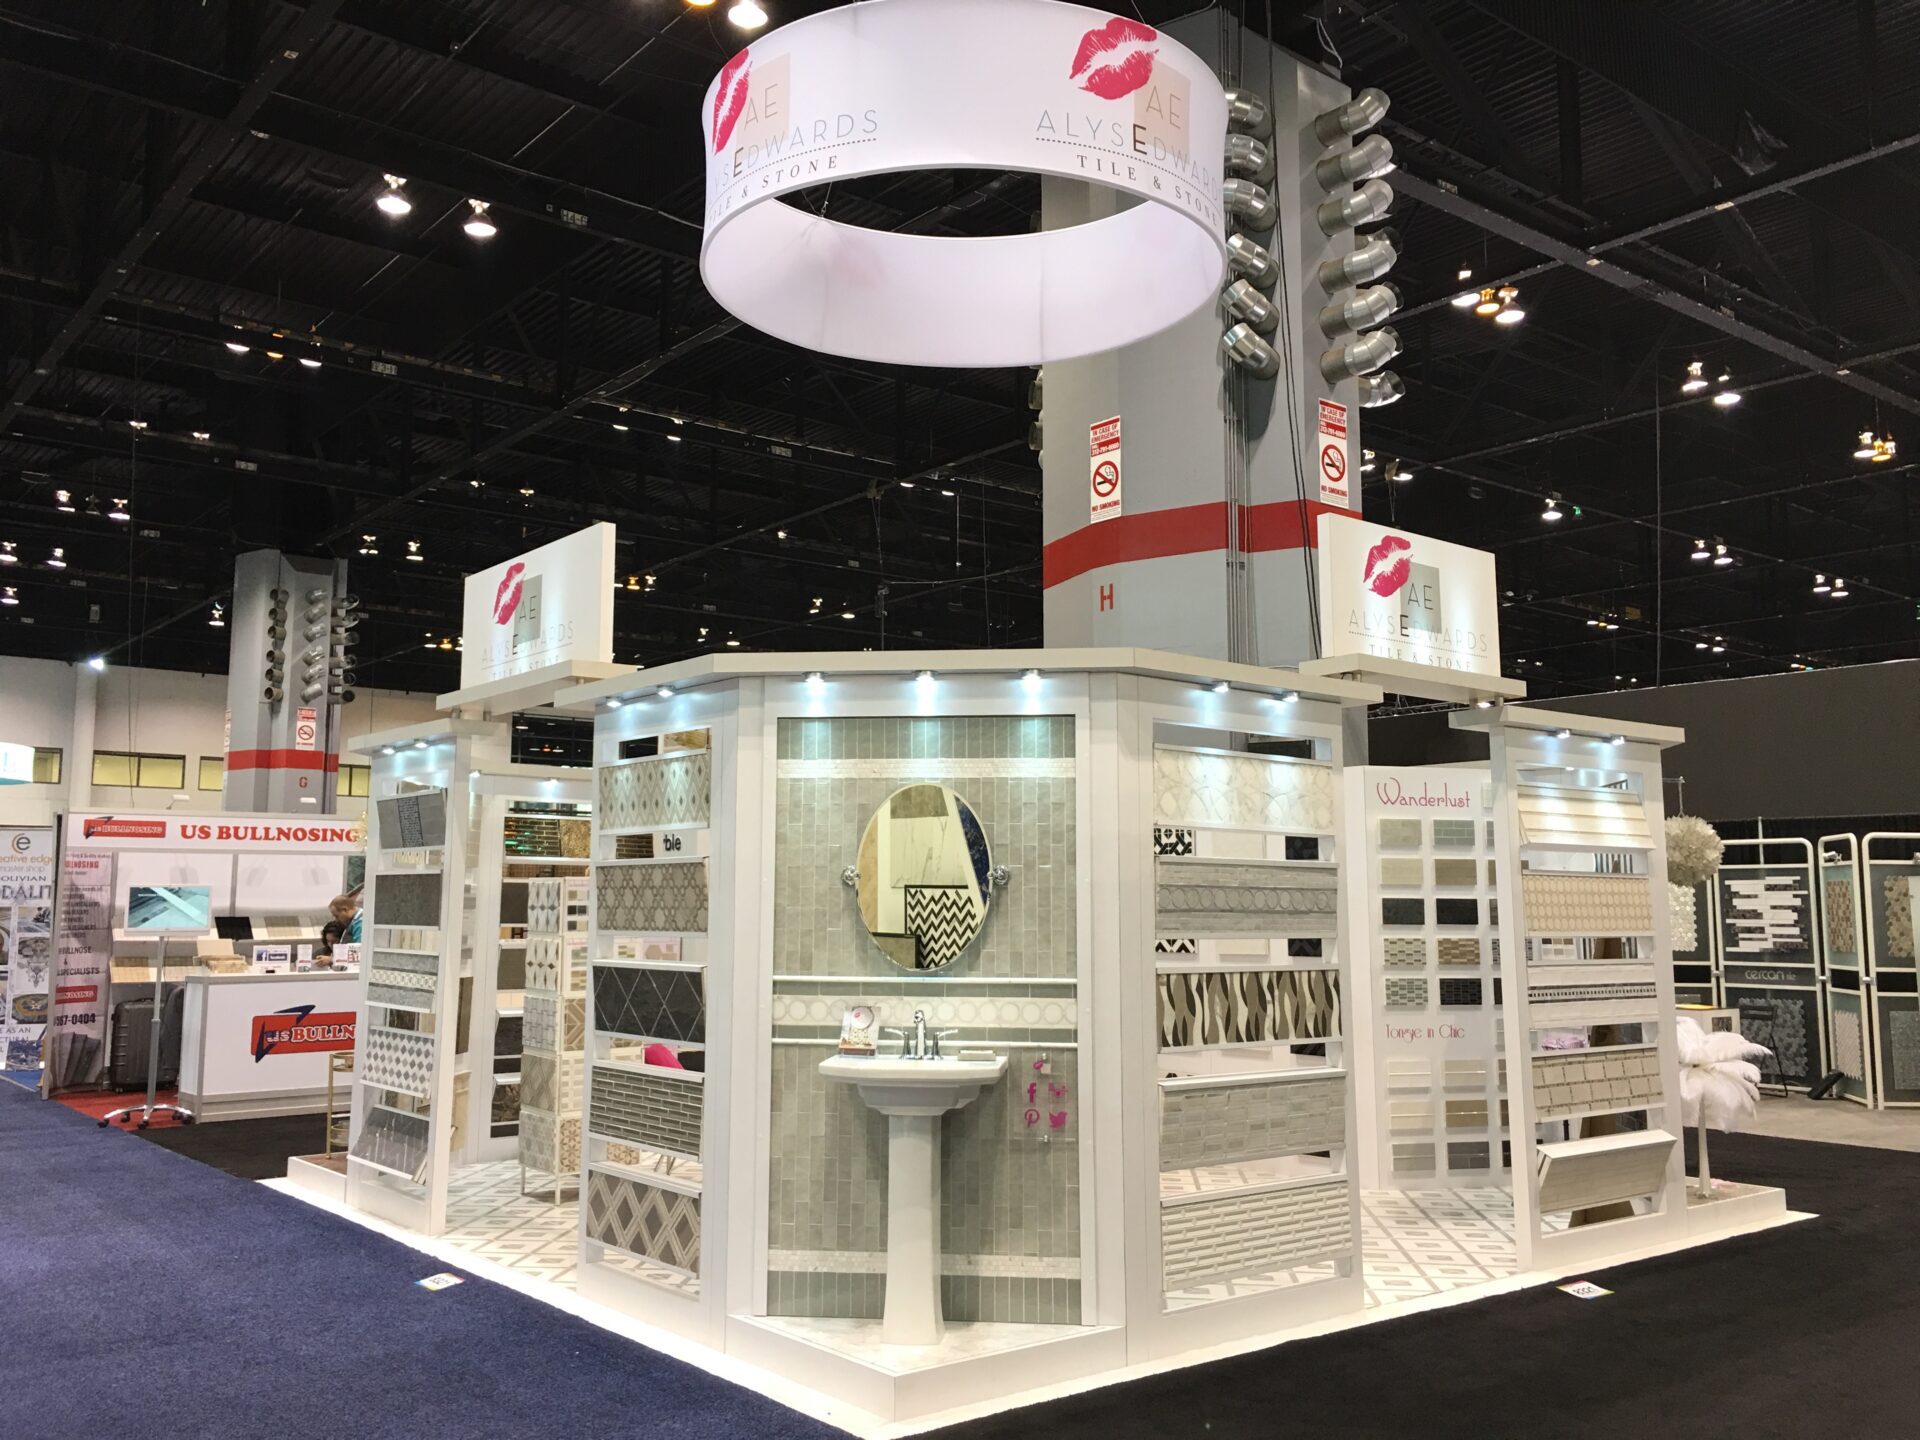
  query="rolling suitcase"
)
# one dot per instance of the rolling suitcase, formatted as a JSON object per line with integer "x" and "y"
{"x": 133, "y": 1039}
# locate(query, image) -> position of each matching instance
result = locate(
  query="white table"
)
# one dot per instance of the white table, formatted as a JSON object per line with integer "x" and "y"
{"x": 254, "y": 1045}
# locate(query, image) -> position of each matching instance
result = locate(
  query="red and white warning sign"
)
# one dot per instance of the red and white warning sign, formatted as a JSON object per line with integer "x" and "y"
{"x": 306, "y": 730}
{"x": 1332, "y": 445}
{"x": 1103, "y": 468}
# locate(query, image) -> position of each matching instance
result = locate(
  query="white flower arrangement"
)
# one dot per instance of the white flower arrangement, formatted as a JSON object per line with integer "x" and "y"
{"x": 1694, "y": 849}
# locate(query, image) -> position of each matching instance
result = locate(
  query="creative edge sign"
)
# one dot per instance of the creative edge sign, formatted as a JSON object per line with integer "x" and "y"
{"x": 992, "y": 85}
{"x": 546, "y": 607}
{"x": 1406, "y": 597}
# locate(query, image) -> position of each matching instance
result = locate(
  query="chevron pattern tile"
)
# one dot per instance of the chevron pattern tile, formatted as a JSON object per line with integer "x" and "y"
{"x": 1247, "y": 1007}
{"x": 1245, "y": 897}
{"x": 396, "y": 1059}
{"x": 667, "y": 895}
{"x": 651, "y": 1004}
{"x": 650, "y": 1221}
{"x": 942, "y": 921}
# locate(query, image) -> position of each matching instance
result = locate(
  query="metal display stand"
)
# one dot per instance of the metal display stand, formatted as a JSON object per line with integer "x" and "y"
{"x": 1890, "y": 864}
{"x": 150, "y": 1109}
{"x": 1759, "y": 964}
{"x": 1846, "y": 987}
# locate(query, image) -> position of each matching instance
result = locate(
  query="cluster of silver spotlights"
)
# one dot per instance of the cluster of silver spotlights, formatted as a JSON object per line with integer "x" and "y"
{"x": 1354, "y": 319}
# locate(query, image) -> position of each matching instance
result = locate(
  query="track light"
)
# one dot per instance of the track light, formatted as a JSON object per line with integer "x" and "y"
{"x": 665, "y": 692}
{"x": 1821, "y": 585}
{"x": 1700, "y": 550}
{"x": 1877, "y": 448}
{"x": 1563, "y": 734}
{"x": 1468, "y": 300}
{"x": 237, "y": 347}
{"x": 1220, "y": 687}
{"x": 1510, "y": 311}
{"x": 1725, "y": 396}
{"x": 63, "y": 501}
{"x": 218, "y": 619}
{"x": 1246, "y": 349}
{"x": 391, "y": 201}
{"x": 1721, "y": 555}
{"x": 413, "y": 551}
{"x": 1486, "y": 303}
{"x": 1696, "y": 380}
{"x": 1381, "y": 389}
{"x": 478, "y": 225}
{"x": 119, "y": 511}
{"x": 747, "y": 15}
{"x": 1839, "y": 588}
{"x": 1360, "y": 356}
{"x": 1553, "y": 510}
{"x": 57, "y": 560}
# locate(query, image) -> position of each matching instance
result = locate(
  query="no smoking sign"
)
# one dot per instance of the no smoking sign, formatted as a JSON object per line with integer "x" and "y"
{"x": 1333, "y": 463}
{"x": 1103, "y": 469}
{"x": 1106, "y": 478}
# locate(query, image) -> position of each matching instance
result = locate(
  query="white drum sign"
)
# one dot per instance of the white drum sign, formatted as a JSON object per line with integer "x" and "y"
{"x": 995, "y": 85}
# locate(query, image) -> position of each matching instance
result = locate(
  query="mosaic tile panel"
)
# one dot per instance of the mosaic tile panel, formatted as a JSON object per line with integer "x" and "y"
{"x": 657, "y": 793}
{"x": 1174, "y": 840}
{"x": 1460, "y": 993}
{"x": 545, "y": 905}
{"x": 555, "y": 1024}
{"x": 1612, "y": 1079}
{"x": 1405, "y": 870}
{"x": 549, "y": 1143}
{"x": 1406, "y": 993}
{"x": 405, "y": 982}
{"x": 1684, "y": 917}
{"x": 1244, "y": 897}
{"x": 651, "y": 1004}
{"x": 1765, "y": 914}
{"x": 657, "y": 1109}
{"x": 1252, "y": 1234}
{"x": 650, "y": 1221}
{"x": 668, "y": 895}
{"x": 1247, "y": 1007}
{"x": 633, "y": 847}
{"x": 1239, "y": 791}
{"x": 393, "y": 1140}
{"x": 407, "y": 899}
{"x": 548, "y": 836}
{"x": 1898, "y": 894}
{"x": 396, "y": 1059}
{"x": 1580, "y": 1174}
{"x": 1459, "y": 949}
{"x": 1903, "y": 1049}
{"x": 1404, "y": 951}
{"x": 550, "y": 1082}
{"x": 1838, "y": 897}
{"x": 1454, "y": 834}
{"x": 1849, "y": 1045}
{"x": 1448, "y": 911}
{"x": 1586, "y": 819}
{"x": 1253, "y": 1120}
{"x": 1787, "y": 1025}
{"x": 1399, "y": 834}
{"x": 1456, "y": 872}
{"x": 1398, "y": 910}
{"x": 1562, "y": 904}
{"x": 413, "y": 822}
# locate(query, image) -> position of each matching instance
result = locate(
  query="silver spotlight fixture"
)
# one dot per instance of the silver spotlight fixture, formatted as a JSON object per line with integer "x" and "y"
{"x": 1369, "y": 262}
{"x": 1244, "y": 346}
{"x": 1360, "y": 356}
{"x": 1250, "y": 157}
{"x": 1247, "y": 112}
{"x": 1252, "y": 261}
{"x": 1248, "y": 304}
{"x": 1357, "y": 207}
{"x": 1372, "y": 156}
{"x": 1358, "y": 115}
{"x": 1361, "y": 310}
{"x": 1381, "y": 389}
{"x": 1253, "y": 205}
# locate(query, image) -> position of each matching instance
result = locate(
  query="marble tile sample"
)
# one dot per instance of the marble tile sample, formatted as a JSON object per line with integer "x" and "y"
{"x": 396, "y": 1059}
{"x": 555, "y": 1024}
{"x": 1247, "y": 1007}
{"x": 1457, "y": 994}
{"x": 1580, "y": 1174}
{"x": 1447, "y": 911}
{"x": 668, "y": 895}
{"x": 393, "y": 1140}
{"x": 1765, "y": 914}
{"x": 1250, "y": 1120}
{"x": 1623, "y": 1078}
{"x": 1849, "y": 1047}
{"x": 1563, "y": 904}
{"x": 1244, "y": 897}
{"x": 651, "y": 1221}
{"x": 1240, "y": 791}
{"x": 402, "y": 981}
{"x": 1405, "y": 992}
{"x": 407, "y": 899}
{"x": 1403, "y": 870}
{"x": 1214, "y": 1239}
{"x": 1837, "y": 897}
{"x": 1584, "y": 819}
{"x": 1399, "y": 834}
{"x": 658, "y": 792}
{"x": 651, "y": 1004}
{"x": 1459, "y": 949}
{"x": 1401, "y": 911}
{"x": 413, "y": 822}
{"x": 1404, "y": 951}
{"x": 551, "y": 1082}
{"x": 654, "y": 1108}
{"x": 1454, "y": 834}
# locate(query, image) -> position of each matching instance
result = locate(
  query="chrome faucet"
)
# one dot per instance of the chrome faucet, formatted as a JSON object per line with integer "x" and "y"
{"x": 919, "y": 1034}
{"x": 919, "y": 1043}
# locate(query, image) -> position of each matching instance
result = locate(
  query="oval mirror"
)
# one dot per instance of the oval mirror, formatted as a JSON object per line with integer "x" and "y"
{"x": 921, "y": 877}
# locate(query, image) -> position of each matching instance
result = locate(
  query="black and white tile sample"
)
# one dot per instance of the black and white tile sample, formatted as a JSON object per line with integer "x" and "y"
{"x": 651, "y": 1004}
{"x": 1838, "y": 898}
{"x": 1211, "y": 1239}
{"x": 1247, "y": 1007}
{"x": 1766, "y": 914}
{"x": 651, "y": 1221}
{"x": 1896, "y": 893}
{"x": 668, "y": 895}
{"x": 656, "y": 1109}
{"x": 1250, "y": 1120}
{"x": 1173, "y": 839}
{"x": 1903, "y": 1049}
{"x": 658, "y": 793}
{"x": 1245, "y": 897}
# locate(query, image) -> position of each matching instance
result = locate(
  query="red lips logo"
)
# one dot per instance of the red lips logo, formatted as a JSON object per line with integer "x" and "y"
{"x": 506, "y": 599}
{"x": 1387, "y": 565}
{"x": 730, "y": 98}
{"x": 1115, "y": 60}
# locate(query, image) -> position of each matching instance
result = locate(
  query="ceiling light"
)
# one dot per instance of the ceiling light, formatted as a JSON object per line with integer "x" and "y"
{"x": 1563, "y": 734}
{"x": 816, "y": 606}
{"x": 1700, "y": 550}
{"x": 1465, "y": 299}
{"x": 1720, "y": 555}
{"x": 391, "y": 201}
{"x": 57, "y": 560}
{"x": 671, "y": 439}
{"x": 1465, "y": 273}
{"x": 9, "y": 596}
{"x": 218, "y": 620}
{"x": 846, "y": 614}
{"x": 613, "y": 703}
{"x": 732, "y": 643}
{"x": 1510, "y": 315}
{"x": 815, "y": 679}
{"x": 665, "y": 692}
{"x": 7, "y": 557}
{"x": 633, "y": 582}
{"x": 119, "y": 511}
{"x": 1485, "y": 303}
{"x": 419, "y": 744}
{"x": 310, "y": 361}
{"x": 779, "y": 534}
{"x": 203, "y": 435}
{"x": 618, "y": 426}
{"x": 1483, "y": 704}
{"x": 1367, "y": 466}
{"x": 1553, "y": 510}
{"x": 1839, "y": 588}
{"x": 526, "y": 491}
{"x": 478, "y": 225}
{"x": 274, "y": 354}
{"x": 1699, "y": 644}
{"x": 63, "y": 501}
{"x": 1620, "y": 739}
{"x": 1220, "y": 687}
{"x": 650, "y": 579}
{"x": 1865, "y": 452}
{"x": 413, "y": 551}
{"x": 97, "y": 662}
{"x": 747, "y": 15}
{"x": 368, "y": 545}
{"x": 1696, "y": 380}
{"x": 1820, "y": 585}
{"x": 136, "y": 424}
{"x": 1399, "y": 470}
{"x": 238, "y": 347}
{"x": 906, "y": 484}
{"x": 1725, "y": 395}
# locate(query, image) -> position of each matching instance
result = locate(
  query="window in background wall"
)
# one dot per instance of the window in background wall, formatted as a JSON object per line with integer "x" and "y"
{"x": 145, "y": 772}
{"x": 213, "y": 772}
{"x": 354, "y": 779}
{"x": 46, "y": 766}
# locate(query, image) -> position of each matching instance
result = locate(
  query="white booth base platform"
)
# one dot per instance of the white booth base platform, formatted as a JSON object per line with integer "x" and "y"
{"x": 1423, "y": 1249}
{"x": 227, "y": 1073}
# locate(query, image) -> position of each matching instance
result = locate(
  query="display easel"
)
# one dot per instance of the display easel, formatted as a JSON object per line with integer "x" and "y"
{"x": 150, "y": 1109}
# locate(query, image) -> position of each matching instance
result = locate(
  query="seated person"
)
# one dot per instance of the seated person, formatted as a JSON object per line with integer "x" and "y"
{"x": 331, "y": 934}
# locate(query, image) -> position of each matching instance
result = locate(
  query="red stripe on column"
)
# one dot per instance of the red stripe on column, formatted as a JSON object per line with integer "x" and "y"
{"x": 1277, "y": 526}
{"x": 1183, "y": 530}
{"x": 283, "y": 760}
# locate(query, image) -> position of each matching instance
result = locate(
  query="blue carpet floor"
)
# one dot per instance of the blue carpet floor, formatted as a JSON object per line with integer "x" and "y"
{"x": 159, "y": 1298}
{"x": 30, "y": 1079}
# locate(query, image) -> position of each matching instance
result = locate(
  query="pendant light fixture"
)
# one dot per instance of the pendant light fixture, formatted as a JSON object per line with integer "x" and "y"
{"x": 747, "y": 15}
{"x": 1839, "y": 588}
{"x": 1700, "y": 550}
{"x": 1821, "y": 585}
{"x": 1553, "y": 510}
{"x": 478, "y": 225}
{"x": 1696, "y": 380}
{"x": 1878, "y": 449}
{"x": 391, "y": 201}
{"x": 1510, "y": 311}
{"x": 1726, "y": 396}
{"x": 1720, "y": 555}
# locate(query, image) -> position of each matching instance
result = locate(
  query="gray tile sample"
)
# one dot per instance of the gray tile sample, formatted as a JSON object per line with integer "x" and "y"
{"x": 1250, "y": 1120}
{"x": 406, "y": 982}
{"x": 1396, "y": 910}
{"x": 666, "y": 896}
{"x": 413, "y": 822}
{"x": 1409, "y": 993}
{"x": 1247, "y": 1007}
{"x": 407, "y": 899}
{"x": 1237, "y": 1235}
{"x": 651, "y": 1221}
{"x": 655, "y": 1108}
{"x": 1403, "y": 951}
{"x": 651, "y": 1004}
{"x": 1399, "y": 834}
{"x": 1245, "y": 897}
{"x": 1467, "y": 1155}
{"x": 1456, "y": 872}
{"x": 659, "y": 792}
{"x": 1454, "y": 834}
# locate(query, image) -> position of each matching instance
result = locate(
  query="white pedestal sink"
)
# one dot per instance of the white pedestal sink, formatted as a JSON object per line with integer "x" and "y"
{"x": 913, "y": 1095}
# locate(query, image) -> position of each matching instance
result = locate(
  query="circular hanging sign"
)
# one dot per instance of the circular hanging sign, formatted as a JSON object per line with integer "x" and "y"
{"x": 994, "y": 85}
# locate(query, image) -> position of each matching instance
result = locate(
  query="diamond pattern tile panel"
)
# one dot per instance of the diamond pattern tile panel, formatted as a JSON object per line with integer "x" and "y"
{"x": 396, "y": 1059}
{"x": 650, "y": 1221}
{"x": 658, "y": 792}
{"x": 651, "y": 1004}
{"x": 667, "y": 895}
